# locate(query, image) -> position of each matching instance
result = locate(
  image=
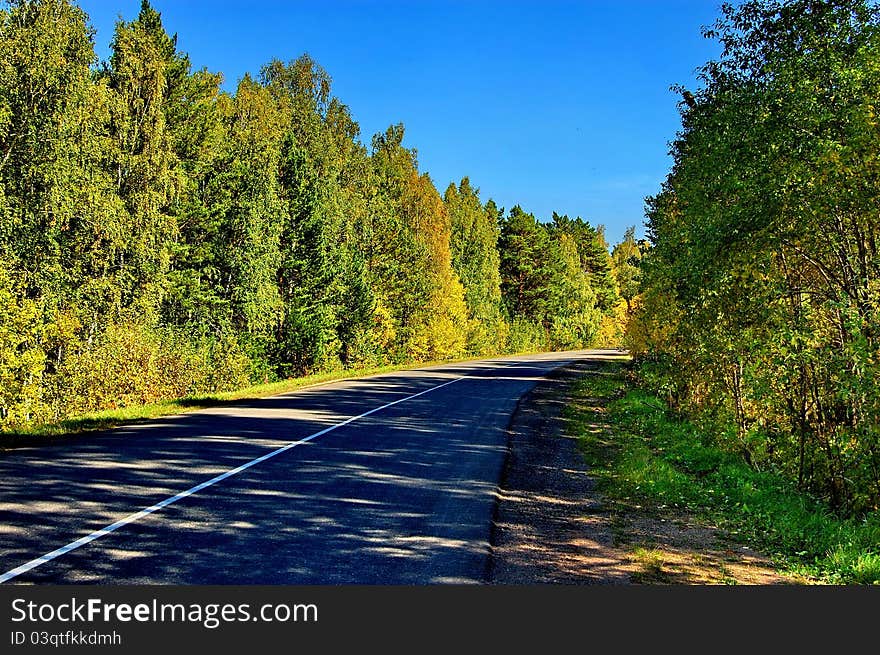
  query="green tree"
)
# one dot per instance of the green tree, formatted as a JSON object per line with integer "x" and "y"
{"x": 254, "y": 213}
{"x": 764, "y": 242}
{"x": 314, "y": 251}
{"x": 577, "y": 318}
{"x": 143, "y": 69}
{"x": 57, "y": 203}
{"x": 408, "y": 254}
{"x": 530, "y": 268}
{"x": 200, "y": 118}
{"x": 594, "y": 256}
{"x": 626, "y": 257}
{"x": 475, "y": 259}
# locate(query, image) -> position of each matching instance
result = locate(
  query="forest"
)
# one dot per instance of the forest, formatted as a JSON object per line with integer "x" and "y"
{"x": 163, "y": 238}
{"x": 757, "y": 315}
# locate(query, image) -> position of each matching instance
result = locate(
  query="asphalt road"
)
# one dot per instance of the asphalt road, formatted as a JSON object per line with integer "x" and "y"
{"x": 384, "y": 480}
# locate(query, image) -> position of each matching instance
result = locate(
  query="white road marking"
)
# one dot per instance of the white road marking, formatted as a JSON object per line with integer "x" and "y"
{"x": 131, "y": 518}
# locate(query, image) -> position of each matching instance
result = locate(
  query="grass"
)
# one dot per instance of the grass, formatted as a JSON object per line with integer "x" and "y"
{"x": 650, "y": 459}
{"x": 113, "y": 418}
{"x": 650, "y": 561}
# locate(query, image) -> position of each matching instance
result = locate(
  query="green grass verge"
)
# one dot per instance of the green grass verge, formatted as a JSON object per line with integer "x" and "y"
{"x": 113, "y": 418}
{"x": 643, "y": 455}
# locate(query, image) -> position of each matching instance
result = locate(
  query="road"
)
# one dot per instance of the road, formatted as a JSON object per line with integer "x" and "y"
{"x": 383, "y": 480}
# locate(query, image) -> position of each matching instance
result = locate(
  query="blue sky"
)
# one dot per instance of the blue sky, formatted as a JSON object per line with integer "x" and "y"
{"x": 554, "y": 105}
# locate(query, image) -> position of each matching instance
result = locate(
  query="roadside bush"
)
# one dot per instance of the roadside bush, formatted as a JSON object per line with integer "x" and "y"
{"x": 525, "y": 336}
{"x": 22, "y": 358}
{"x": 134, "y": 364}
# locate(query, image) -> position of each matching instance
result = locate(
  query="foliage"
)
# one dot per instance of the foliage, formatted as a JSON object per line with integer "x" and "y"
{"x": 160, "y": 237}
{"x": 759, "y": 302}
{"x": 475, "y": 259}
{"x": 627, "y": 257}
{"x": 653, "y": 458}
{"x": 22, "y": 358}
{"x": 133, "y": 364}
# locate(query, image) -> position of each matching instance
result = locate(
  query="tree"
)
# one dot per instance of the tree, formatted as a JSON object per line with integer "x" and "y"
{"x": 54, "y": 195}
{"x": 626, "y": 257}
{"x": 530, "y": 268}
{"x": 763, "y": 240}
{"x": 327, "y": 298}
{"x": 144, "y": 68}
{"x": 594, "y": 256}
{"x": 160, "y": 237}
{"x": 408, "y": 254}
{"x": 475, "y": 259}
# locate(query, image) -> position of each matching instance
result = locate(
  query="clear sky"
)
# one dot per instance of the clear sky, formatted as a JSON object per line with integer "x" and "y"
{"x": 554, "y": 105}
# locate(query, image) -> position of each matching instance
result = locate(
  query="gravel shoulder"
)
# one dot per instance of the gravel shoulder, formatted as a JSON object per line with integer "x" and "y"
{"x": 553, "y": 527}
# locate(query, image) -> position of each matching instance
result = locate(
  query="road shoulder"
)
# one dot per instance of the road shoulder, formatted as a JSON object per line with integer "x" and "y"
{"x": 552, "y": 525}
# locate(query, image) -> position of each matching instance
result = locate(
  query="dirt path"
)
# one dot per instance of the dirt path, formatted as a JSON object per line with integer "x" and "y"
{"x": 552, "y": 526}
